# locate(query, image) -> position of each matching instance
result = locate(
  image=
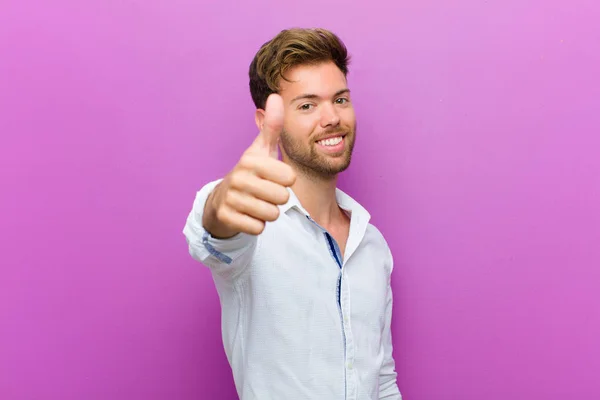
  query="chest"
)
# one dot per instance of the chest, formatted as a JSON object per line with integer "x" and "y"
{"x": 300, "y": 256}
{"x": 298, "y": 278}
{"x": 340, "y": 235}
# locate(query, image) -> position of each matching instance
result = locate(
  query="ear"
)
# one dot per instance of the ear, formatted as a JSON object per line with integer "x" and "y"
{"x": 259, "y": 118}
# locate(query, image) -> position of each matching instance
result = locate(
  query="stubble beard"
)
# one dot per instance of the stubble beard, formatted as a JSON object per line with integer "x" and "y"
{"x": 309, "y": 161}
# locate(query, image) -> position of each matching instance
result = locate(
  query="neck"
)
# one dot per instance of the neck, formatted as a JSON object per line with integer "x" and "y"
{"x": 318, "y": 197}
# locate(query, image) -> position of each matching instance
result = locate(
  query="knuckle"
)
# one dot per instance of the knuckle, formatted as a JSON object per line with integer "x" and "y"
{"x": 235, "y": 181}
{"x": 275, "y": 212}
{"x": 277, "y": 194}
{"x": 258, "y": 228}
{"x": 271, "y": 212}
{"x": 222, "y": 214}
{"x": 247, "y": 161}
{"x": 230, "y": 198}
{"x": 291, "y": 175}
{"x": 287, "y": 174}
{"x": 284, "y": 196}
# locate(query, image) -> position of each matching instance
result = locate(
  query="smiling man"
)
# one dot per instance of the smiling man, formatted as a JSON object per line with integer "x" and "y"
{"x": 302, "y": 275}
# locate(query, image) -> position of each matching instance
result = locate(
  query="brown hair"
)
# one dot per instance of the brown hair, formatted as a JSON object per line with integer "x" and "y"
{"x": 290, "y": 48}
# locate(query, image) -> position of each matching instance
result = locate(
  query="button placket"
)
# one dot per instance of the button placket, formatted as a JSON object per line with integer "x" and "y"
{"x": 350, "y": 366}
{"x": 343, "y": 307}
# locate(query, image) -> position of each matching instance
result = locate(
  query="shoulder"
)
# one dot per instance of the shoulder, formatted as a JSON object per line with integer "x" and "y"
{"x": 376, "y": 239}
{"x": 377, "y": 236}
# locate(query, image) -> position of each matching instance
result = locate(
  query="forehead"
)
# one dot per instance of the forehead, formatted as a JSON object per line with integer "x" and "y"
{"x": 322, "y": 79}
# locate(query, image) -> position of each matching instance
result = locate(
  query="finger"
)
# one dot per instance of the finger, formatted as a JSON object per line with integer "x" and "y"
{"x": 272, "y": 124}
{"x": 265, "y": 167}
{"x": 259, "y": 209}
{"x": 276, "y": 171}
{"x": 241, "y": 222}
{"x": 260, "y": 188}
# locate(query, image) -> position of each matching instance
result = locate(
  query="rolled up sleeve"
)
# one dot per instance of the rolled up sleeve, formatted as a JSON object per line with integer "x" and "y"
{"x": 226, "y": 257}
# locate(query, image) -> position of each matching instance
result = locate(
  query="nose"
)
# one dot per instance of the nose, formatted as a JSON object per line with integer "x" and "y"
{"x": 329, "y": 116}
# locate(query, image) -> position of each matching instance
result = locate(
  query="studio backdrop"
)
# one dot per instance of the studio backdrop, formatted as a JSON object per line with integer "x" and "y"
{"x": 478, "y": 156}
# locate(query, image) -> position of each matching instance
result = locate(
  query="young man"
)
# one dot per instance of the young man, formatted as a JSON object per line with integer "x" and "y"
{"x": 302, "y": 276}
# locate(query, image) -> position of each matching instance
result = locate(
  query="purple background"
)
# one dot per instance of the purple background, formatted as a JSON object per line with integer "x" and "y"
{"x": 478, "y": 156}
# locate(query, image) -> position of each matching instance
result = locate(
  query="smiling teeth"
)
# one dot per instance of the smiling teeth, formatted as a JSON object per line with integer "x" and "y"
{"x": 331, "y": 141}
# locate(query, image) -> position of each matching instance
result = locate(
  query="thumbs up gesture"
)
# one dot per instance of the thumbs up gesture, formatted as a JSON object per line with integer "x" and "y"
{"x": 249, "y": 195}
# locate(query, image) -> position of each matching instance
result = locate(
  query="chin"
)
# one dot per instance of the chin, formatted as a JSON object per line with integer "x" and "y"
{"x": 332, "y": 169}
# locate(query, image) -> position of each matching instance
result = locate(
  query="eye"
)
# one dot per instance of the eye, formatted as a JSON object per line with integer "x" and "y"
{"x": 341, "y": 100}
{"x": 305, "y": 107}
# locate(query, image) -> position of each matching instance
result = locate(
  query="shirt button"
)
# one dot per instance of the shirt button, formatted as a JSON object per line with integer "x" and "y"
{"x": 349, "y": 365}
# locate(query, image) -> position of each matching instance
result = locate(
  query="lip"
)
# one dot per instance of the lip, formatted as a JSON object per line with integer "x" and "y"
{"x": 339, "y": 134}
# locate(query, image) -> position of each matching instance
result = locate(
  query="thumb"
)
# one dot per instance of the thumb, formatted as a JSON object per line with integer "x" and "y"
{"x": 272, "y": 124}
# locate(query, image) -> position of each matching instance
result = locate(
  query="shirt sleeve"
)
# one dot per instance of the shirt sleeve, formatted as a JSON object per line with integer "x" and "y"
{"x": 225, "y": 257}
{"x": 388, "y": 387}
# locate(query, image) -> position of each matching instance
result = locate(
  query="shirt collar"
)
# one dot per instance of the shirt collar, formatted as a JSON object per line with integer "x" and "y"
{"x": 359, "y": 218}
{"x": 345, "y": 201}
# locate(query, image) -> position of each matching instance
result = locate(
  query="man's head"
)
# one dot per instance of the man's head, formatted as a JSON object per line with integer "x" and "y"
{"x": 308, "y": 69}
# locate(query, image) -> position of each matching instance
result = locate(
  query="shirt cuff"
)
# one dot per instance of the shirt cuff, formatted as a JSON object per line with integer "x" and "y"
{"x": 226, "y": 250}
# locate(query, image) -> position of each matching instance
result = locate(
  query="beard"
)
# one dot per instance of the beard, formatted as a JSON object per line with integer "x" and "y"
{"x": 308, "y": 159}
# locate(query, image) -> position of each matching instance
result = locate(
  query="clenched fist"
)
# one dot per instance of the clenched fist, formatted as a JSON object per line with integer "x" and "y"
{"x": 249, "y": 195}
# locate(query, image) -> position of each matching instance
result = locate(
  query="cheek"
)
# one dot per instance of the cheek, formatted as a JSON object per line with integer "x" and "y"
{"x": 348, "y": 117}
{"x": 301, "y": 127}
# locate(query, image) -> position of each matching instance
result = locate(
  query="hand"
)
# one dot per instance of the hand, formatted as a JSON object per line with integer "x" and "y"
{"x": 248, "y": 196}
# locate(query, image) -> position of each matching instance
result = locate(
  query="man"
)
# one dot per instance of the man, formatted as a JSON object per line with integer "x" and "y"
{"x": 302, "y": 276}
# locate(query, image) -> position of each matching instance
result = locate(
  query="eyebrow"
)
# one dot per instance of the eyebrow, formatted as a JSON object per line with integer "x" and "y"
{"x": 314, "y": 96}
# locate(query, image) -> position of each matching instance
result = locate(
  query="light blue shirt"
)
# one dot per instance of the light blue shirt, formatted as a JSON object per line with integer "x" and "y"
{"x": 299, "y": 320}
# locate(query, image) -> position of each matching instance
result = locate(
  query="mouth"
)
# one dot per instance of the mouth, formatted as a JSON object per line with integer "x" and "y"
{"x": 332, "y": 144}
{"x": 332, "y": 140}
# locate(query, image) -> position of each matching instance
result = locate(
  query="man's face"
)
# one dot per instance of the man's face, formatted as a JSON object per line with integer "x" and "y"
{"x": 319, "y": 123}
